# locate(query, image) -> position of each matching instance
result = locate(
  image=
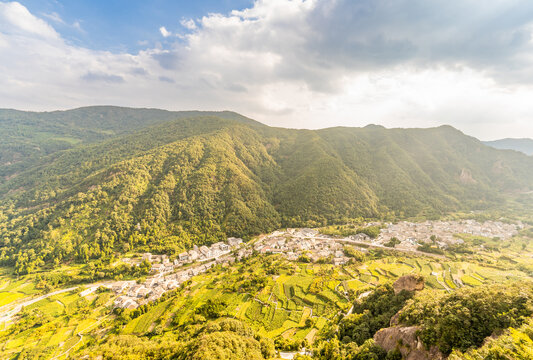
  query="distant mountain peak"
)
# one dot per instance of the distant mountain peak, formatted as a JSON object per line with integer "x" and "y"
{"x": 374, "y": 126}
{"x": 523, "y": 145}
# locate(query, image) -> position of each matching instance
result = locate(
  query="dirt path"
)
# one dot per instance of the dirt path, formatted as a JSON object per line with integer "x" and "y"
{"x": 80, "y": 334}
{"x": 340, "y": 293}
{"x": 66, "y": 352}
{"x": 361, "y": 296}
{"x": 443, "y": 284}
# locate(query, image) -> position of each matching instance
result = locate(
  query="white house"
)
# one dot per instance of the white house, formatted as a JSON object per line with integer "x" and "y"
{"x": 234, "y": 242}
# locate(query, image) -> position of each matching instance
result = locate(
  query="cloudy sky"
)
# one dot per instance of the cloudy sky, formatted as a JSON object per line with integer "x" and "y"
{"x": 291, "y": 63}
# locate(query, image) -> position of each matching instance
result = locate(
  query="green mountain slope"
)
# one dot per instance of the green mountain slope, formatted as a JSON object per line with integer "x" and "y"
{"x": 27, "y": 136}
{"x": 198, "y": 179}
{"x": 429, "y": 169}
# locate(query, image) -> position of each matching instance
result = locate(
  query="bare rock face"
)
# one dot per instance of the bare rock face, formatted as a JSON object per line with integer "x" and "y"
{"x": 395, "y": 320}
{"x": 408, "y": 283}
{"x": 466, "y": 177}
{"x": 406, "y": 340}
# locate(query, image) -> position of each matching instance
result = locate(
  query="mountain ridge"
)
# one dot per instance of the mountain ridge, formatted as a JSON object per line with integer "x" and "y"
{"x": 196, "y": 180}
{"x": 524, "y": 145}
{"x": 31, "y": 135}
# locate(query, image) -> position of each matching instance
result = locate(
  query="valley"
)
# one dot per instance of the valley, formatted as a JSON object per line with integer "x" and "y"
{"x": 203, "y": 235}
{"x": 266, "y": 180}
{"x": 290, "y": 286}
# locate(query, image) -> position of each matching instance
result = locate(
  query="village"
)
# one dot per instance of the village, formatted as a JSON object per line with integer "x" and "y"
{"x": 412, "y": 235}
{"x": 293, "y": 244}
{"x": 168, "y": 275}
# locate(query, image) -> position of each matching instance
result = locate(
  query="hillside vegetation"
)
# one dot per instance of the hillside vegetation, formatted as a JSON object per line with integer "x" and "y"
{"x": 27, "y": 136}
{"x": 160, "y": 181}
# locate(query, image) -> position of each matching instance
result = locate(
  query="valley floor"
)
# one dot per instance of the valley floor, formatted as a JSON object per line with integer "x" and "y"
{"x": 291, "y": 286}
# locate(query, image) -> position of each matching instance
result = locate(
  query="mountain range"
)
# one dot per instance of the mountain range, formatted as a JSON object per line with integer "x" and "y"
{"x": 92, "y": 182}
{"x": 522, "y": 145}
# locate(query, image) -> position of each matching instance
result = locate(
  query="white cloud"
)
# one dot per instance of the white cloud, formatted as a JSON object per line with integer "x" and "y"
{"x": 77, "y": 25}
{"x": 188, "y": 24}
{"x": 3, "y": 42}
{"x": 16, "y": 19}
{"x": 300, "y": 63}
{"x": 164, "y": 31}
{"x": 55, "y": 17}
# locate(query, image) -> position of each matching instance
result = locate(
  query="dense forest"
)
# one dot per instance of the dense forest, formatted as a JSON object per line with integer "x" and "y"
{"x": 93, "y": 182}
{"x": 28, "y": 136}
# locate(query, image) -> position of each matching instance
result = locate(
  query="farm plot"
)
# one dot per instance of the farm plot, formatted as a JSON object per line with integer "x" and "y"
{"x": 12, "y": 290}
{"x": 146, "y": 320}
{"x": 9, "y": 297}
{"x": 470, "y": 281}
{"x": 356, "y": 284}
{"x": 60, "y": 336}
{"x": 48, "y": 306}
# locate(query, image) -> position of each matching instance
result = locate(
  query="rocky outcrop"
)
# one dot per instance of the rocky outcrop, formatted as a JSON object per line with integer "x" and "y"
{"x": 409, "y": 344}
{"x": 395, "y": 320}
{"x": 408, "y": 283}
{"x": 466, "y": 177}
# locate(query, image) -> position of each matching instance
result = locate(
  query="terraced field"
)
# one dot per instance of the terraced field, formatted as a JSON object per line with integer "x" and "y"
{"x": 278, "y": 298}
{"x": 12, "y": 290}
{"x": 62, "y": 318}
{"x": 302, "y": 292}
{"x": 280, "y": 308}
{"x": 438, "y": 275}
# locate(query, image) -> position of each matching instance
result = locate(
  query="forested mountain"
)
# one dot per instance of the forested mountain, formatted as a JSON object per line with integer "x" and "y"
{"x": 26, "y": 136}
{"x": 522, "y": 145}
{"x": 165, "y": 181}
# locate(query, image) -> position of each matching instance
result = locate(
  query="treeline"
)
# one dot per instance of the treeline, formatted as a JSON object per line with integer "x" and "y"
{"x": 371, "y": 314}
{"x": 513, "y": 343}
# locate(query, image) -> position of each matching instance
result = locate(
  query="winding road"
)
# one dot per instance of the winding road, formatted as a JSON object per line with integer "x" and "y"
{"x": 6, "y": 316}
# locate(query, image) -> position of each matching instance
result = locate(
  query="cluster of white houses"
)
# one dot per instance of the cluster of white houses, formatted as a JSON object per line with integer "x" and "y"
{"x": 294, "y": 243}
{"x": 169, "y": 275}
{"x": 412, "y": 234}
{"x": 162, "y": 263}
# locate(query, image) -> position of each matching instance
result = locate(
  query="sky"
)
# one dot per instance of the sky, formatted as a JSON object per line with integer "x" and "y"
{"x": 290, "y": 63}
